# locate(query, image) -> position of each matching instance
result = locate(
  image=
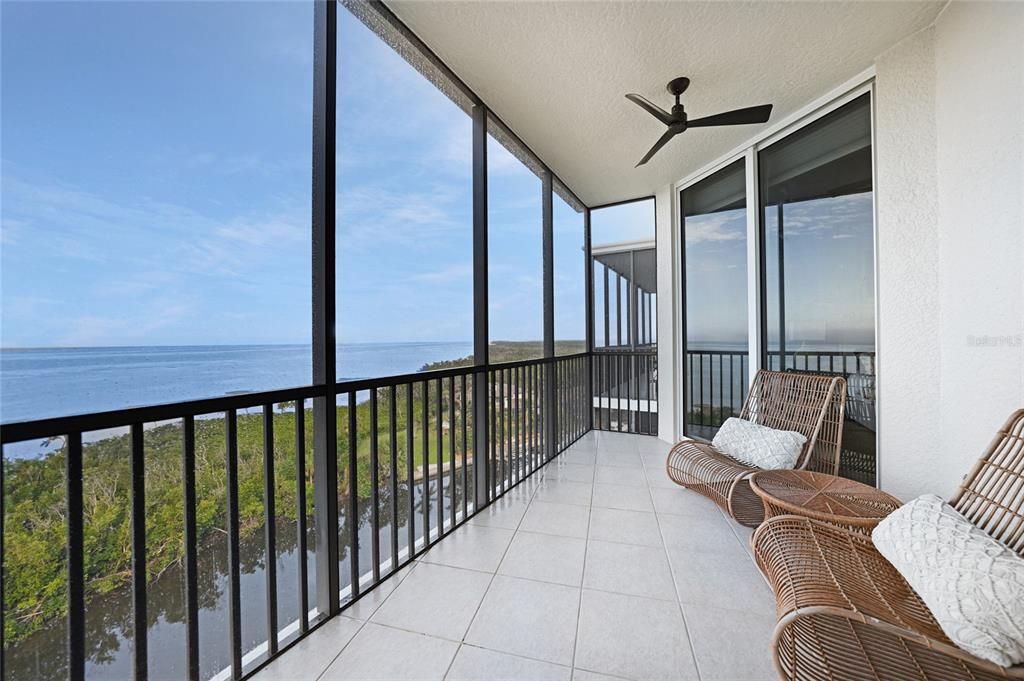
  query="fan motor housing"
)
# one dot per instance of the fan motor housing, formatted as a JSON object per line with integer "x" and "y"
{"x": 677, "y": 86}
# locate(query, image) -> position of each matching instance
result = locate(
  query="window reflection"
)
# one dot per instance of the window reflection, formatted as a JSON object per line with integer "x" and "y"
{"x": 716, "y": 367}
{"x": 818, "y": 237}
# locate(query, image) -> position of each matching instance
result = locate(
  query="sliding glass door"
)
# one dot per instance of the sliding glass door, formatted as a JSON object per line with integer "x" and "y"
{"x": 817, "y": 245}
{"x": 715, "y": 358}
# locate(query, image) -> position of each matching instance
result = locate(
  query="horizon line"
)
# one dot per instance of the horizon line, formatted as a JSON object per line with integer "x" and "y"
{"x": 253, "y": 345}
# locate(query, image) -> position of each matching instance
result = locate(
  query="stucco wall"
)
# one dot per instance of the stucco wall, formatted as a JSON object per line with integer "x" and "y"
{"x": 907, "y": 262}
{"x": 950, "y": 191}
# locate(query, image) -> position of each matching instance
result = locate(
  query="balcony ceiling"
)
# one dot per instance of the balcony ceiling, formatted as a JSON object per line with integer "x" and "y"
{"x": 556, "y": 72}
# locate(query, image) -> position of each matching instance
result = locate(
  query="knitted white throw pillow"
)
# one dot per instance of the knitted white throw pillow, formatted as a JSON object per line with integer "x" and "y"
{"x": 758, "y": 445}
{"x": 971, "y": 583}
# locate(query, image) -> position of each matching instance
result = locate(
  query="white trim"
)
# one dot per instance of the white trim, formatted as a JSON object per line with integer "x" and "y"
{"x": 753, "y": 266}
{"x": 878, "y": 308}
{"x": 613, "y": 403}
{"x": 678, "y": 361}
{"x": 624, "y": 246}
{"x": 857, "y": 86}
{"x": 795, "y": 120}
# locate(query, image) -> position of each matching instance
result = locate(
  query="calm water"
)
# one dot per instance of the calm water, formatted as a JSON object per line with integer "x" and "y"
{"x": 38, "y": 383}
{"x": 47, "y": 382}
{"x": 42, "y": 656}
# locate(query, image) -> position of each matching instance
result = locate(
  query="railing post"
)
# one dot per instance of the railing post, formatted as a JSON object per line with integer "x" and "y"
{"x": 75, "y": 558}
{"x": 589, "y": 296}
{"x": 481, "y": 359}
{"x": 325, "y": 413}
{"x": 550, "y": 389}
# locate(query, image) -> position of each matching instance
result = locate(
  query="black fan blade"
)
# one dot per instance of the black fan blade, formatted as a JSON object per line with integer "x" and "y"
{"x": 752, "y": 114}
{"x": 656, "y": 111}
{"x": 662, "y": 141}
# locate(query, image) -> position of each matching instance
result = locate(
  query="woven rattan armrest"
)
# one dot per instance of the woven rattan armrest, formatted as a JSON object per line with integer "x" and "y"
{"x": 700, "y": 467}
{"x": 854, "y": 647}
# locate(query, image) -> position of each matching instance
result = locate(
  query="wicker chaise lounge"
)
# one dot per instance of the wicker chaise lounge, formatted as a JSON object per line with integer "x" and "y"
{"x": 810, "y": 404}
{"x": 846, "y": 613}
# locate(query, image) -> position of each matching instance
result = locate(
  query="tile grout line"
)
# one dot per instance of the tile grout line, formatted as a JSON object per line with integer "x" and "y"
{"x": 745, "y": 547}
{"x": 534, "y": 580}
{"x": 515, "y": 655}
{"x": 490, "y": 582}
{"x": 342, "y": 649}
{"x": 362, "y": 623}
{"x": 410, "y": 568}
{"x": 528, "y": 502}
{"x": 675, "y": 587}
{"x": 583, "y": 575}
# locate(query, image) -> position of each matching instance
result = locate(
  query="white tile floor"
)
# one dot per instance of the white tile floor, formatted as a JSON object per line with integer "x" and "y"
{"x": 599, "y": 567}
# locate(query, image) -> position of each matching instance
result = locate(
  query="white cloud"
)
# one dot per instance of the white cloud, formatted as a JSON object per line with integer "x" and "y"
{"x": 87, "y": 330}
{"x": 715, "y": 227}
{"x": 370, "y": 217}
{"x": 158, "y": 236}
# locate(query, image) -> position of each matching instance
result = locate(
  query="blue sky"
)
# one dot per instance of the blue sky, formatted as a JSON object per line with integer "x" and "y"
{"x": 632, "y": 221}
{"x": 155, "y": 191}
{"x": 155, "y": 182}
{"x": 155, "y": 186}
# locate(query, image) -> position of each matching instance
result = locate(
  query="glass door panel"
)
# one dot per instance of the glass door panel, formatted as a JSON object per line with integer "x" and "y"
{"x": 715, "y": 365}
{"x": 818, "y": 246}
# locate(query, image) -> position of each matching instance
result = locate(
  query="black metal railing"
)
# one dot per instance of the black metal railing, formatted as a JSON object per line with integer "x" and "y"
{"x": 625, "y": 386}
{"x": 516, "y": 423}
{"x": 413, "y": 463}
{"x": 716, "y": 385}
{"x": 138, "y": 421}
{"x": 717, "y": 381}
{"x": 405, "y": 479}
{"x": 857, "y": 458}
{"x": 571, "y": 398}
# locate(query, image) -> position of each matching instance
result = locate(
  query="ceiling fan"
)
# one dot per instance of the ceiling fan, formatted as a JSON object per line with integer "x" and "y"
{"x": 676, "y": 120}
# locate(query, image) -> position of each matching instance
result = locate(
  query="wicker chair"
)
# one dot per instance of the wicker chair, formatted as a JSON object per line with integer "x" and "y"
{"x": 810, "y": 404}
{"x": 846, "y": 613}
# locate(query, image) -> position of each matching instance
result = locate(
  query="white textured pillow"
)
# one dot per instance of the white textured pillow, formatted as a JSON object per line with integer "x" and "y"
{"x": 973, "y": 584}
{"x": 758, "y": 445}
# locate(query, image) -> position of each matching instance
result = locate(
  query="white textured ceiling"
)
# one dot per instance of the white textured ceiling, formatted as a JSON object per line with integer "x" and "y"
{"x": 556, "y": 72}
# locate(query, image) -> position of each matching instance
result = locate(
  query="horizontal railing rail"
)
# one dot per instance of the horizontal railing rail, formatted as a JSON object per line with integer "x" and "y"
{"x": 37, "y": 429}
{"x": 405, "y": 480}
{"x": 845, "y": 362}
{"x": 19, "y": 431}
{"x": 626, "y": 348}
{"x": 538, "y": 360}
